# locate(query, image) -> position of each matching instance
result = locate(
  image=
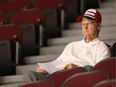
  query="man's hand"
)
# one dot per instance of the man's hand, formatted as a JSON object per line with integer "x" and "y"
{"x": 70, "y": 66}
{"x": 41, "y": 70}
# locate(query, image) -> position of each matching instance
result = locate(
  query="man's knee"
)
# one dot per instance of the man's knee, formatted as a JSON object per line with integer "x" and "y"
{"x": 29, "y": 77}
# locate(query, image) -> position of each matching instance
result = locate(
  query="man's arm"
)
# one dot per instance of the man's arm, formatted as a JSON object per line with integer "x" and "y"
{"x": 103, "y": 52}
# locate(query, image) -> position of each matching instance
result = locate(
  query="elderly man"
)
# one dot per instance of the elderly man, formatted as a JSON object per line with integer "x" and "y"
{"x": 88, "y": 51}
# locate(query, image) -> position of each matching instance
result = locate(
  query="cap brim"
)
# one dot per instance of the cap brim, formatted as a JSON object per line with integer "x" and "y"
{"x": 79, "y": 18}
{"x": 89, "y": 18}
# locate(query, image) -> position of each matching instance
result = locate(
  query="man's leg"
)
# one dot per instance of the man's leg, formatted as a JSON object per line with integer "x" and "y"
{"x": 33, "y": 76}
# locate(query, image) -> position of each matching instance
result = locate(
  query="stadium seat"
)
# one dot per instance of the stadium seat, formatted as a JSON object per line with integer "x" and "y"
{"x": 106, "y": 83}
{"x": 6, "y": 64}
{"x": 3, "y": 19}
{"x": 12, "y": 33}
{"x": 43, "y": 83}
{"x": 28, "y": 16}
{"x": 85, "y": 79}
{"x": 13, "y": 6}
{"x": 107, "y": 65}
{"x": 46, "y": 4}
{"x": 31, "y": 23}
{"x": 72, "y": 10}
{"x": 60, "y": 76}
{"x": 55, "y": 15}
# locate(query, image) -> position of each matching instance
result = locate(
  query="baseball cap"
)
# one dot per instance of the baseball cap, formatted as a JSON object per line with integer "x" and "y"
{"x": 92, "y": 14}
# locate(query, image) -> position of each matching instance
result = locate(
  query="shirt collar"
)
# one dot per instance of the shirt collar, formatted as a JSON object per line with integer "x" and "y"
{"x": 93, "y": 42}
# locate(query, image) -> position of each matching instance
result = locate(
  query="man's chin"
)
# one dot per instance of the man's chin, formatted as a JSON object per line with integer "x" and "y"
{"x": 87, "y": 35}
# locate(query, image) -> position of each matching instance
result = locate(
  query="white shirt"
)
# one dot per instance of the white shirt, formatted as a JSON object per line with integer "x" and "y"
{"x": 82, "y": 53}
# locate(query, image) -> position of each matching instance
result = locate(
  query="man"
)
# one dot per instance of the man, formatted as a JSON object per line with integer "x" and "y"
{"x": 88, "y": 51}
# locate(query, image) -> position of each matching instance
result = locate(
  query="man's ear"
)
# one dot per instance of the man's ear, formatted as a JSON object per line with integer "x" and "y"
{"x": 99, "y": 26}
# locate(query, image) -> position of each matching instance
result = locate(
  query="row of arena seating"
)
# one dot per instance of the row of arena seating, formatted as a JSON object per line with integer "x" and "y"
{"x": 105, "y": 83}
{"x": 73, "y": 8}
{"x": 80, "y": 77}
{"x": 29, "y": 43}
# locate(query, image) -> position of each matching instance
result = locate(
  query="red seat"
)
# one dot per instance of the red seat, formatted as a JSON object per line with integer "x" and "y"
{"x": 85, "y": 79}
{"x": 14, "y": 5}
{"x": 60, "y": 76}
{"x": 13, "y": 33}
{"x": 11, "y": 7}
{"x": 107, "y": 65}
{"x": 57, "y": 6}
{"x": 48, "y": 4}
{"x": 6, "y": 63}
{"x": 9, "y": 32}
{"x": 30, "y": 21}
{"x": 106, "y": 83}
{"x": 44, "y": 83}
{"x": 29, "y": 16}
{"x": 3, "y": 19}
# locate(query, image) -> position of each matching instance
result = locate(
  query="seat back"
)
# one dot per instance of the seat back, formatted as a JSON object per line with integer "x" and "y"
{"x": 13, "y": 33}
{"x": 60, "y": 76}
{"x": 6, "y": 63}
{"x": 107, "y": 65}
{"x": 52, "y": 23}
{"x": 46, "y": 4}
{"x": 85, "y": 79}
{"x": 30, "y": 39}
{"x": 43, "y": 83}
{"x": 54, "y": 15}
{"x": 28, "y": 16}
{"x": 9, "y": 32}
{"x": 3, "y": 19}
{"x": 72, "y": 10}
{"x": 13, "y": 6}
{"x": 30, "y": 22}
{"x": 106, "y": 83}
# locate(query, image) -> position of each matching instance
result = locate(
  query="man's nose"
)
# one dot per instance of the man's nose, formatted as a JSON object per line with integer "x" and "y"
{"x": 86, "y": 26}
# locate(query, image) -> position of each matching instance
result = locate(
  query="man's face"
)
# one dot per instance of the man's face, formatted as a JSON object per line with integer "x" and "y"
{"x": 90, "y": 28}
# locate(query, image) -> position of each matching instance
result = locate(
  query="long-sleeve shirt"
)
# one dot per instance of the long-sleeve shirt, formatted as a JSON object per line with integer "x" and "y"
{"x": 82, "y": 53}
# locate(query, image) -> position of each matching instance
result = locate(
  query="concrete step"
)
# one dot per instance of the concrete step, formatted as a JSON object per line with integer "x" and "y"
{"x": 11, "y": 79}
{"x": 11, "y": 85}
{"x": 66, "y": 40}
{"x": 52, "y": 50}
{"x": 107, "y": 17}
{"x": 108, "y": 10}
{"x": 78, "y": 32}
{"x": 110, "y": 3}
{"x": 40, "y": 58}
